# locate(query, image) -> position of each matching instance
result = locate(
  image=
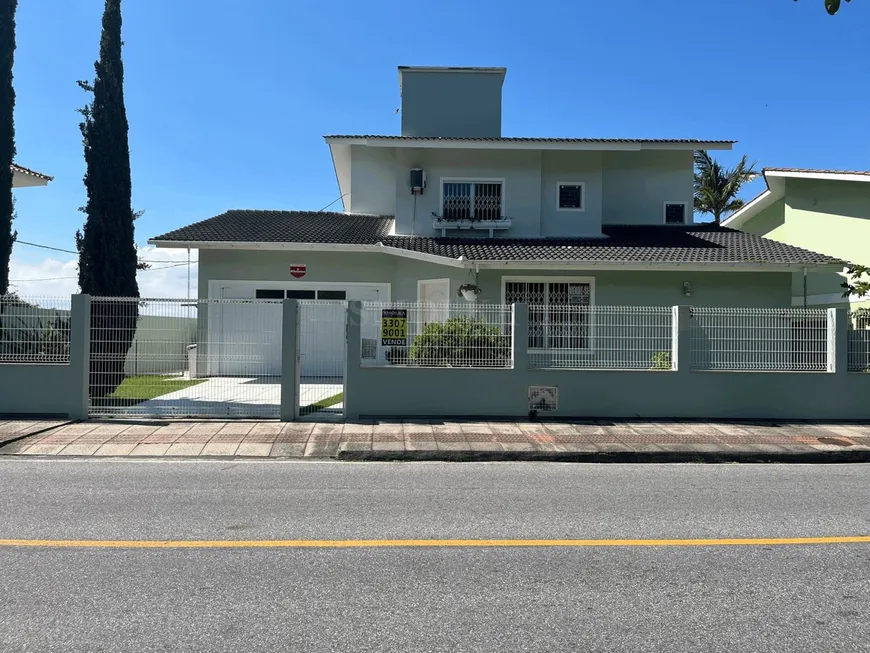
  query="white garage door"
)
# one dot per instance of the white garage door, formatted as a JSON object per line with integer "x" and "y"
{"x": 248, "y": 347}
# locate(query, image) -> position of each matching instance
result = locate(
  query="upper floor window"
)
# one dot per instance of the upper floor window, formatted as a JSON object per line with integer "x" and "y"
{"x": 675, "y": 213}
{"x": 571, "y": 196}
{"x": 471, "y": 199}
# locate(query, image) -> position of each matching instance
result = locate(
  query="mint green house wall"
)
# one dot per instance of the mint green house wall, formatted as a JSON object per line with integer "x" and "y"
{"x": 830, "y": 217}
{"x": 637, "y": 288}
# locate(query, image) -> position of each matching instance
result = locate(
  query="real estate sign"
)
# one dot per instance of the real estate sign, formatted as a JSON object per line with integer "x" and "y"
{"x": 394, "y": 327}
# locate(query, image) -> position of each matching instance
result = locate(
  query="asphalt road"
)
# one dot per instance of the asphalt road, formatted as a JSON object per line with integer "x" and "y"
{"x": 712, "y": 598}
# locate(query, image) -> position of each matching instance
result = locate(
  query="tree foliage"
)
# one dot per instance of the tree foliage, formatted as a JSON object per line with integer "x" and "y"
{"x": 859, "y": 281}
{"x": 7, "y": 137}
{"x": 107, "y": 251}
{"x": 832, "y": 6}
{"x": 717, "y": 187}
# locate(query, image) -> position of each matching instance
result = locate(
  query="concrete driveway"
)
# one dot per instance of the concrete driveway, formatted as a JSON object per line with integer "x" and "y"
{"x": 234, "y": 397}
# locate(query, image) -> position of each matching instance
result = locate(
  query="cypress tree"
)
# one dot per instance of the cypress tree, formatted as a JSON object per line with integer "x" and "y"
{"x": 107, "y": 251}
{"x": 7, "y": 137}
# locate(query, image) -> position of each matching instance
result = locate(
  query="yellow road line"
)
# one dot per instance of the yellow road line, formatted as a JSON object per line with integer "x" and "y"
{"x": 358, "y": 544}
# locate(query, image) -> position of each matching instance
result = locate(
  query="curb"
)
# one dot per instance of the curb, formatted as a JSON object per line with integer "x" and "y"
{"x": 810, "y": 456}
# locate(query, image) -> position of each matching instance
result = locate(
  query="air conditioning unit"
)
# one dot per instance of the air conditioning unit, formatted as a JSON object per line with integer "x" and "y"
{"x": 418, "y": 181}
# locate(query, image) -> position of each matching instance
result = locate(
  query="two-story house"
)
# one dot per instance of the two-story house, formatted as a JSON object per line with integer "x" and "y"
{"x": 450, "y": 201}
{"x": 828, "y": 210}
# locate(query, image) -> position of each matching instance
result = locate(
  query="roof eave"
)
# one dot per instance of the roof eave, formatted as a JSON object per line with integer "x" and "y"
{"x": 543, "y": 144}
{"x": 493, "y": 264}
{"x": 736, "y": 266}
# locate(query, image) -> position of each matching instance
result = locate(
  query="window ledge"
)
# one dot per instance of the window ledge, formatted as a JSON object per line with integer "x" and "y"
{"x": 484, "y": 225}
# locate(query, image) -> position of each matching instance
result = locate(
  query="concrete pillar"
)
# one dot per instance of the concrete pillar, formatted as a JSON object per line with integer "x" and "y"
{"x": 838, "y": 340}
{"x": 289, "y": 411}
{"x": 354, "y": 359}
{"x": 681, "y": 339}
{"x": 80, "y": 356}
{"x": 520, "y": 336}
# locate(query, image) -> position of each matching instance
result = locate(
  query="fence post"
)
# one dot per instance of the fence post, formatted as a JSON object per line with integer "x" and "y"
{"x": 289, "y": 410}
{"x": 80, "y": 355}
{"x": 354, "y": 357}
{"x": 681, "y": 339}
{"x": 520, "y": 336}
{"x": 838, "y": 340}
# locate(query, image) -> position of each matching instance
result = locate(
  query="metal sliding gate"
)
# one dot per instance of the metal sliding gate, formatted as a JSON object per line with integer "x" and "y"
{"x": 196, "y": 358}
{"x": 322, "y": 358}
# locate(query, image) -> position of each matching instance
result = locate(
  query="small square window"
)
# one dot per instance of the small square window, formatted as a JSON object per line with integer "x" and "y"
{"x": 675, "y": 213}
{"x": 570, "y": 196}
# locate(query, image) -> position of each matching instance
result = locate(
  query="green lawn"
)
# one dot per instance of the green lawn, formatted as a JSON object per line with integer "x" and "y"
{"x": 135, "y": 389}
{"x": 323, "y": 403}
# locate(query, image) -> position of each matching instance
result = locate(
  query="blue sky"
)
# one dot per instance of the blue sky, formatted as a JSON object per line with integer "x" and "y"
{"x": 228, "y": 101}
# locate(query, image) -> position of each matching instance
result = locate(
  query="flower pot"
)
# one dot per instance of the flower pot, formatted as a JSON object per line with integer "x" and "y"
{"x": 469, "y": 295}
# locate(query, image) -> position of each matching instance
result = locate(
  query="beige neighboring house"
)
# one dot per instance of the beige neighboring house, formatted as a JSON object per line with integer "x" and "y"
{"x": 826, "y": 211}
{"x": 24, "y": 177}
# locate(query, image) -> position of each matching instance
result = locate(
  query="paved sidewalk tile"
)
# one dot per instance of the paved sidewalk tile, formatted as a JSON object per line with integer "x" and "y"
{"x": 79, "y": 450}
{"x": 253, "y": 449}
{"x": 114, "y": 449}
{"x": 43, "y": 449}
{"x": 287, "y": 450}
{"x": 388, "y": 446}
{"x": 220, "y": 449}
{"x": 236, "y": 428}
{"x": 150, "y": 449}
{"x": 185, "y": 449}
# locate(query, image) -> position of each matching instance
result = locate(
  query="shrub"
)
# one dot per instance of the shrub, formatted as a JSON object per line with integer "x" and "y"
{"x": 461, "y": 342}
{"x": 661, "y": 360}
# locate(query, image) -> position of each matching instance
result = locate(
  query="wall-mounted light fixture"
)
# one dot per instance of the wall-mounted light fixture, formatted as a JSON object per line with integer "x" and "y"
{"x": 687, "y": 288}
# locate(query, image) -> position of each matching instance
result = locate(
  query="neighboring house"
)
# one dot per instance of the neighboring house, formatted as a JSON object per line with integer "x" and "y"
{"x": 826, "y": 210}
{"x": 450, "y": 201}
{"x": 24, "y": 177}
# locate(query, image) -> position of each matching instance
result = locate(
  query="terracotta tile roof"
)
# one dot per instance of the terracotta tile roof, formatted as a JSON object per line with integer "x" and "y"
{"x": 27, "y": 171}
{"x": 524, "y": 139}
{"x": 660, "y": 245}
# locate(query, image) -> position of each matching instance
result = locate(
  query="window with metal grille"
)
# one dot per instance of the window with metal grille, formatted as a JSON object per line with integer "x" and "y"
{"x": 675, "y": 213}
{"x": 472, "y": 200}
{"x": 553, "y": 321}
{"x": 570, "y": 196}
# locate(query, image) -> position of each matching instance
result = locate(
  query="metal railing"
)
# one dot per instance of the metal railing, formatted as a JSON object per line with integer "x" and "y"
{"x": 34, "y": 329}
{"x": 185, "y": 358}
{"x": 858, "y": 354}
{"x": 436, "y": 335}
{"x": 759, "y": 339}
{"x": 601, "y": 337}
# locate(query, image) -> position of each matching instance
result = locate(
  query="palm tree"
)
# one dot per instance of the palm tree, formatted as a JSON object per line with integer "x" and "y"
{"x": 716, "y": 187}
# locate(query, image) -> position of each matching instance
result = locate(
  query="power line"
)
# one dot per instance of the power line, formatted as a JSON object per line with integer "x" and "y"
{"x": 54, "y": 249}
{"x": 162, "y": 267}
{"x": 69, "y": 251}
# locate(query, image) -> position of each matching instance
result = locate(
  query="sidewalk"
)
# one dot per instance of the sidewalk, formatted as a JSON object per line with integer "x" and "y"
{"x": 583, "y": 440}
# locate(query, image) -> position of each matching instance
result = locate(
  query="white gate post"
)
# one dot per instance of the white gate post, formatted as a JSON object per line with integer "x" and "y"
{"x": 289, "y": 411}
